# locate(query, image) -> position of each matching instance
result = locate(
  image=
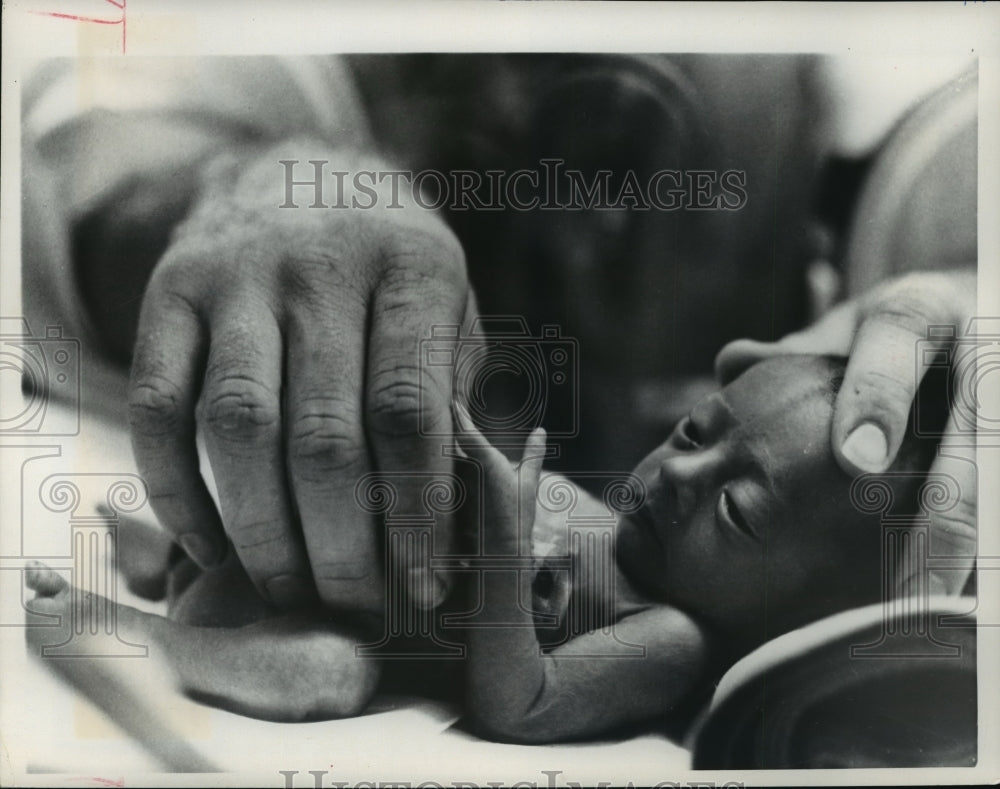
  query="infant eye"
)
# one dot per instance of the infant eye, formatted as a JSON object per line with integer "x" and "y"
{"x": 731, "y": 513}
{"x": 687, "y": 434}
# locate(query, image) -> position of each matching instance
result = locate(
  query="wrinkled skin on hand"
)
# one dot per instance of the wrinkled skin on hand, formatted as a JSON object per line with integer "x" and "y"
{"x": 288, "y": 339}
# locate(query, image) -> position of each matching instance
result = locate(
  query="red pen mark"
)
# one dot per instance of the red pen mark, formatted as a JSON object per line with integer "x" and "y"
{"x": 101, "y": 781}
{"x": 95, "y": 20}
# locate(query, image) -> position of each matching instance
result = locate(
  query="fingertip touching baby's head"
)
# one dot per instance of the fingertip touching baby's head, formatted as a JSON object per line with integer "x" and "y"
{"x": 749, "y": 521}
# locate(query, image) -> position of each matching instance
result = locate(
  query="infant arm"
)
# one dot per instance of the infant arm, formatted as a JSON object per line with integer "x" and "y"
{"x": 517, "y": 693}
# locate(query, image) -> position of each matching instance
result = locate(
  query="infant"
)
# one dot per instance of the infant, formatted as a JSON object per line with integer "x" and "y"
{"x": 747, "y": 531}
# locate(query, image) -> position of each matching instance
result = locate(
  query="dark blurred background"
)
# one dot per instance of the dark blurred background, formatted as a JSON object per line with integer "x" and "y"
{"x": 652, "y": 295}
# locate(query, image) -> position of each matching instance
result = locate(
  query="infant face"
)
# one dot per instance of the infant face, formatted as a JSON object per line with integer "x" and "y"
{"x": 748, "y": 516}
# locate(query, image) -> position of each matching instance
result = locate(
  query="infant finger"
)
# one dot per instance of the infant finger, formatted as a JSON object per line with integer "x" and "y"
{"x": 473, "y": 443}
{"x": 532, "y": 457}
{"x": 529, "y": 473}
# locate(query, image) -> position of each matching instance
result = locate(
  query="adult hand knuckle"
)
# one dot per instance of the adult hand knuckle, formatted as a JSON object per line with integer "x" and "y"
{"x": 154, "y": 406}
{"x": 910, "y": 306}
{"x": 324, "y": 437}
{"x": 323, "y": 282}
{"x": 239, "y": 408}
{"x": 412, "y": 293}
{"x": 884, "y": 391}
{"x": 433, "y": 254}
{"x": 249, "y": 535}
{"x": 399, "y": 405}
{"x": 957, "y": 523}
{"x": 177, "y": 270}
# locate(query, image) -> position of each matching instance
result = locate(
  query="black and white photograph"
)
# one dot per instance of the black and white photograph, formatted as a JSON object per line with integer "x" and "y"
{"x": 460, "y": 394}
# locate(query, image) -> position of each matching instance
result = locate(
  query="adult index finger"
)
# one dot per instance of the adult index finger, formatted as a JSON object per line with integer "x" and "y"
{"x": 163, "y": 390}
{"x": 408, "y": 397}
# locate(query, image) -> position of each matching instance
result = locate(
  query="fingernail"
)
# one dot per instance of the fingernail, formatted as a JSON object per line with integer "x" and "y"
{"x": 200, "y": 549}
{"x": 427, "y": 588}
{"x": 286, "y": 590}
{"x": 867, "y": 447}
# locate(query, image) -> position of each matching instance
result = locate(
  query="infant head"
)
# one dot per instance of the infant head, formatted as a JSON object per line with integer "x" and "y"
{"x": 748, "y": 522}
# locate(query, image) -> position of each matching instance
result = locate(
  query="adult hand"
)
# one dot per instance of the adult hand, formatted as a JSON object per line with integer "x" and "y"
{"x": 879, "y": 333}
{"x": 288, "y": 338}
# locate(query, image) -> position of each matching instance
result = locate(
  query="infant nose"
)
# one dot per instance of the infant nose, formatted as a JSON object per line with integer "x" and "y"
{"x": 685, "y": 480}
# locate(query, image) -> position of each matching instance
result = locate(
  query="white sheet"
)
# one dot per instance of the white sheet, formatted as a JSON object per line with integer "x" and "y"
{"x": 50, "y": 729}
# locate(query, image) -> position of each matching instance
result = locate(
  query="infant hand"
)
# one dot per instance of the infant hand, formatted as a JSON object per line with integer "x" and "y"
{"x": 510, "y": 488}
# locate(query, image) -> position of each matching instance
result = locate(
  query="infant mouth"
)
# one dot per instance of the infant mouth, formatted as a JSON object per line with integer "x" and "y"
{"x": 644, "y": 519}
{"x": 641, "y": 554}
